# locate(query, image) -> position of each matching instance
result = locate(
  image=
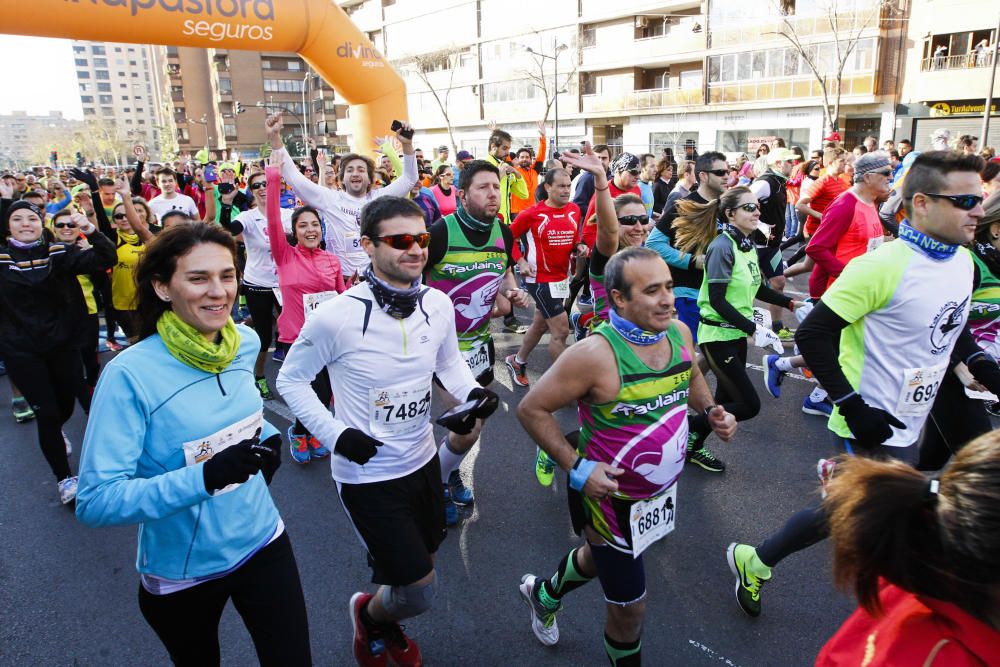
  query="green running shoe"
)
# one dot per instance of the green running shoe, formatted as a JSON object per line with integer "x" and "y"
{"x": 785, "y": 334}
{"x": 747, "y": 583}
{"x": 22, "y": 411}
{"x": 544, "y": 468}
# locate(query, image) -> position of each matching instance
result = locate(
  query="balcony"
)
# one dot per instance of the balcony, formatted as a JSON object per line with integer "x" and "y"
{"x": 600, "y": 10}
{"x": 806, "y": 27}
{"x": 679, "y": 44}
{"x": 962, "y": 62}
{"x": 950, "y": 78}
{"x": 642, "y": 100}
{"x": 785, "y": 89}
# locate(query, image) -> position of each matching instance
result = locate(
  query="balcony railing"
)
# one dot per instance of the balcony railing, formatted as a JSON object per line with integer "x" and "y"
{"x": 805, "y": 26}
{"x": 964, "y": 61}
{"x": 783, "y": 89}
{"x": 640, "y": 100}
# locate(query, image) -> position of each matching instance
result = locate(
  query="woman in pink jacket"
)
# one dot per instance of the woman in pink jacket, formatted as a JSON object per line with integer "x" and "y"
{"x": 308, "y": 277}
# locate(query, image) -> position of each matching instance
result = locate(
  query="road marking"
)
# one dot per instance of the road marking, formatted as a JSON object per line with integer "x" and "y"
{"x": 279, "y": 408}
{"x": 713, "y": 654}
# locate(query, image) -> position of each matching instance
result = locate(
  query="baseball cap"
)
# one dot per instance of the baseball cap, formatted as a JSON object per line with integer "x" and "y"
{"x": 464, "y": 155}
{"x": 625, "y": 162}
{"x": 443, "y": 149}
{"x": 780, "y": 155}
{"x": 227, "y": 165}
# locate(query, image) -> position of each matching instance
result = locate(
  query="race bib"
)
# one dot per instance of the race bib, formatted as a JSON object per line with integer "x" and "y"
{"x": 559, "y": 290}
{"x": 652, "y": 519}
{"x": 397, "y": 411}
{"x": 478, "y": 359}
{"x": 352, "y": 240}
{"x": 920, "y": 387}
{"x": 762, "y": 317}
{"x": 875, "y": 243}
{"x": 310, "y": 302}
{"x": 205, "y": 448}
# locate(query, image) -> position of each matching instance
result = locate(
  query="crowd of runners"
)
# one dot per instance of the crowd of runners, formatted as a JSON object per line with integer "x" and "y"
{"x": 375, "y": 283}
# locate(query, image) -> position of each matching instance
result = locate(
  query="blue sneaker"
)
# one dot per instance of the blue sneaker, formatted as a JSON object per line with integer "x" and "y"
{"x": 299, "y": 447}
{"x": 279, "y": 354}
{"x": 821, "y": 409}
{"x": 460, "y": 494}
{"x": 450, "y": 508}
{"x": 586, "y": 300}
{"x": 317, "y": 450}
{"x": 772, "y": 376}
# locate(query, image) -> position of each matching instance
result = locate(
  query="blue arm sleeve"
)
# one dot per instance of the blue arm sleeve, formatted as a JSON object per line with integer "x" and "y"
{"x": 659, "y": 242}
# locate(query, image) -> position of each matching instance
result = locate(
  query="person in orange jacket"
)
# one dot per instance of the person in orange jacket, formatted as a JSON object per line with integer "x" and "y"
{"x": 529, "y": 166}
{"x": 921, "y": 554}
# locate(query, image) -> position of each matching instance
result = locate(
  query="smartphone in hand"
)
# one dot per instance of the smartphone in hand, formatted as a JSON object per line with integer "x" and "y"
{"x": 210, "y": 174}
{"x": 397, "y": 126}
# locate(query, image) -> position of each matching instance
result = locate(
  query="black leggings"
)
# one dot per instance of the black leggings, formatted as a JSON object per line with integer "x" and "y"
{"x": 50, "y": 383}
{"x": 580, "y": 280}
{"x": 267, "y": 594}
{"x": 734, "y": 390}
{"x": 88, "y": 356}
{"x": 321, "y": 385}
{"x": 955, "y": 419}
{"x": 262, "y": 303}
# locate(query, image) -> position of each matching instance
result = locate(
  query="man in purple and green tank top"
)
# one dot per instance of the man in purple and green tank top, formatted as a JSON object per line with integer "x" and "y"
{"x": 470, "y": 259}
{"x": 633, "y": 382}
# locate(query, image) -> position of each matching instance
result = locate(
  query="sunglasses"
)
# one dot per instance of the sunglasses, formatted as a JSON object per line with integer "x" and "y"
{"x": 631, "y": 220}
{"x": 65, "y": 225}
{"x": 635, "y": 172}
{"x": 119, "y": 216}
{"x": 749, "y": 207}
{"x": 717, "y": 172}
{"x": 964, "y": 202}
{"x": 258, "y": 185}
{"x": 405, "y": 241}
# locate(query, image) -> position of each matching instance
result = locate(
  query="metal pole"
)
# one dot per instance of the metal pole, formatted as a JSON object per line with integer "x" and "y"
{"x": 555, "y": 68}
{"x": 305, "y": 107}
{"x": 984, "y": 133}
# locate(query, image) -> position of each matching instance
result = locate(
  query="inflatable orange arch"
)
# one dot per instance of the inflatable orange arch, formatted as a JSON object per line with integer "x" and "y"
{"x": 318, "y": 30}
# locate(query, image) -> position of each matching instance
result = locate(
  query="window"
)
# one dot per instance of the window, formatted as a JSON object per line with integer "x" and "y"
{"x": 87, "y": 111}
{"x": 132, "y": 63}
{"x": 128, "y": 121}
{"x": 226, "y": 86}
{"x": 656, "y": 79}
{"x": 102, "y": 74}
{"x": 140, "y": 110}
{"x": 230, "y": 129}
{"x": 83, "y": 75}
{"x": 86, "y": 87}
{"x": 80, "y": 62}
{"x": 655, "y": 27}
{"x": 118, "y": 49}
{"x": 265, "y": 64}
{"x": 123, "y": 85}
{"x": 124, "y": 98}
{"x": 294, "y": 66}
{"x": 588, "y": 36}
{"x": 509, "y": 91}
{"x": 104, "y": 87}
{"x": 105, "y": 99}
{"x": 100, "y": 62}
{"x": 141, "y": 122}
{"x": 135, "y": 75}
{"x": 183, "y": 134}
{"x": 119, "y": 61}
{"x": 691, "y": 79}
{"x": 87, "y": 99}
{"x": 589, "y": 83}
{"x": 283, "y": 86}
{"x": 172, "y": 51}
{"x": 98, "y": 50}
{"x": 127, "y": 110}
{"x": 107, "y": 111}
{"x": 79, "y": 49}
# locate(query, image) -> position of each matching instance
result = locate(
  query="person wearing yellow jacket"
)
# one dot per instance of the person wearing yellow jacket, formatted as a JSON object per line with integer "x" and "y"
{"x": 529, "y": 167}
{"x": 511, "y": 181}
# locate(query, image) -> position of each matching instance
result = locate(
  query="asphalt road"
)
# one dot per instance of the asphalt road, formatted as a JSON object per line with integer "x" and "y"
{"x": 68, "y": 593}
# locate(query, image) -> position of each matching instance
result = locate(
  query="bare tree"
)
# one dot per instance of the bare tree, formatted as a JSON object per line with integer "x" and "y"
{"x": 542, "y": 77}
{"x": 423, "y": 65}
{"x": 846, "y": 27}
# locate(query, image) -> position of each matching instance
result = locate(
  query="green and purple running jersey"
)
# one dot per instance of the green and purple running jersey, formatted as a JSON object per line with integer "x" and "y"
{"x": 984, "y": 315}
{"x": 470, "y": 275}
{"x": 643, "y": 430}
{"x": 597, "y": 288}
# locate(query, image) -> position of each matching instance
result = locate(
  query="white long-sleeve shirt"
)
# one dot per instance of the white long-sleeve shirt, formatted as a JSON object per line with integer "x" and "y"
{"x": 342, "y": 212}
{"x": 381, "y": 369}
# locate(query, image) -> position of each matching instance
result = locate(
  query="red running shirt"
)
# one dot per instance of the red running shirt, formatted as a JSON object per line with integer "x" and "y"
{"x": 551, "y": 235}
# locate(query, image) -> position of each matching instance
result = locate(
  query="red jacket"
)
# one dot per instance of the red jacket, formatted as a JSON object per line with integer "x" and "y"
{"x": 917, "y": 631}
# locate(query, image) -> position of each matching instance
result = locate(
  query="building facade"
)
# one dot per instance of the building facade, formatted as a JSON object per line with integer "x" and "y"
{"x": 20, "y": 132}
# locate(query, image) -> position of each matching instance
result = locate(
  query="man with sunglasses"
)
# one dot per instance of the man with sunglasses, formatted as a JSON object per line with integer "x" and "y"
{"x": 383, "y": 342}
{"x": 470, "y": 259}
{"x": 899, "y": 314}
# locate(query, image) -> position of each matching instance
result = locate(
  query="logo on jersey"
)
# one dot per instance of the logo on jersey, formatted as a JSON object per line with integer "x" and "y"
{"x": 946, "y": 325}
{"x": 473, "y": 300}
{"x": 658, "y": 452}
{"x": 663, "y": 400}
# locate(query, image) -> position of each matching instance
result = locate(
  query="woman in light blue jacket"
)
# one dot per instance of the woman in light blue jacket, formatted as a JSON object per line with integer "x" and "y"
{"x": 177, "y": 443}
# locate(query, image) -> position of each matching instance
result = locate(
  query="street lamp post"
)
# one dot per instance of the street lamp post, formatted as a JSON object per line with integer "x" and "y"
{"x": 557, "y": 49}
{"x": 267, "y": 106}
{"x": 983, "y": 134}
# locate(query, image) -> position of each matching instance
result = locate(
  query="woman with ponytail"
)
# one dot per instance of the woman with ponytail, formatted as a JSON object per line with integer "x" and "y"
{"x": 178, "y": 444}
{"x": 921, "y": 555}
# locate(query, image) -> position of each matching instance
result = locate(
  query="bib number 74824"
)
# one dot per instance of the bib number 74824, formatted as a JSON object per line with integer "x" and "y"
{"x": 396, "y": 411}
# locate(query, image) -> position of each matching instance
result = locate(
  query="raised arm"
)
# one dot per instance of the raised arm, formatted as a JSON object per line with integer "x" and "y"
{"x": 131, "y": 214}
{"x": 607, "y": 219}
{"x": 311, "y": 193}
{"x": 401, "y": 186}
{"x": 280, "y": 249}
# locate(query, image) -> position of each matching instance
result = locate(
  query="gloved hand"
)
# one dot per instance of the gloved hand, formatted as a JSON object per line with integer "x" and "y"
{"x": 270, "y": 455}
{"x": 233, "y": 465}
{"x": 764, "y": 338}
{"x": 987, "y": 372}
{"x": 802, "y": 312}
{"x": 357, "y": 446}
{"x": 488, "y": 407}
{"x": 86, "y": 177}
{"x": 870, "y": 426}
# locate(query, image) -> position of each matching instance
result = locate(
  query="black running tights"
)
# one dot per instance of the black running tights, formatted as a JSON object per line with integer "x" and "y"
{"x": 734, "y": 391}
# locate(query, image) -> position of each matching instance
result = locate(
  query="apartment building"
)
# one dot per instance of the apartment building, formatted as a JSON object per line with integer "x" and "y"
{"x": 19, "y": 132}
{"x": 638, "y": 74}
{"x": 950, "y": 48}
{"x": 118, "y": 86}
{"x": 219, "y": 98}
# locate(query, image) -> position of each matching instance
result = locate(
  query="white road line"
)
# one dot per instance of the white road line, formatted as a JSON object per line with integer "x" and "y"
{"x": 714, "y": 655}
{"x": 279, "y": 408}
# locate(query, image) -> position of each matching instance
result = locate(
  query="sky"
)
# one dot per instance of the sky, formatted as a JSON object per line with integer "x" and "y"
{"x": 38, "y": 76}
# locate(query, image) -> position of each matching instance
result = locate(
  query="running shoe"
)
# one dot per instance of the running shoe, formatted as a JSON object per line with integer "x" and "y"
{"x": 785, "y": 334}
{"x": 67, "y": 490}
{"x": 772, "y": 376}
{"x": 299, "y": 446}
{"x": 747, "y": 583}
{"x": 265, "y": 392}
{"x": 586, "y": 300}
{"x": 543, "y": 619}
{"x": 279, "y": 354}
{"x": 113, "y": 345}
{"x": 461, "y": 495}
{"x": 22, "y": 411}
{"x": 579, "y": 331}
{"x": 544, "y": 467}
{"x": 824, "y": 470}
{"x": 514, "y": 326}
{"x": 518, "y": 372}
{"x": 369, "y": 643}
{"x": 992, "y": 408}
{"x": 820, "y": 409}
{"x": 69, "y": 445}
{"x": 706, "y": 459}
{"x": 316, "y": 449}
{"x": 450, "y": 508}
{"x": 403, "y": 651}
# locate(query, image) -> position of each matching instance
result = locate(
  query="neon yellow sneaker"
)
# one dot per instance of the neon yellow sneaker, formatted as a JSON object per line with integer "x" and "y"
{"x": 544, "y": 468}
{"x": 747, "y": 583}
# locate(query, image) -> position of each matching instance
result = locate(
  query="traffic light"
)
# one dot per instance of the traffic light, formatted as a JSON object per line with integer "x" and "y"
{"x": 239, "y": 107}
{"x": 54, "y": 157}
{"x": 79, "y": 159}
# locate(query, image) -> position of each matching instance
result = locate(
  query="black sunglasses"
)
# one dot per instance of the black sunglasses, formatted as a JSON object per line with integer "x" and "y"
{"x": 717, "y": 172}
{"x": 64, "y": 225}
{"x": 630, "y": 220}
{"x": 749, "y": 207}
{"x": 964, "y": 202}
{"x": 258, "y": 185}
{"x": 405, "y": 241}
{"x": 635, "y": 172}
{"x": 119, "y": 216}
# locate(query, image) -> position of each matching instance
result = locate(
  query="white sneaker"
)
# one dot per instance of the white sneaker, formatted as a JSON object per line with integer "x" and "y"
{"x": 69, "y": 445}
{"x": 67, "y": 490}
{"x": 543, "y": 620}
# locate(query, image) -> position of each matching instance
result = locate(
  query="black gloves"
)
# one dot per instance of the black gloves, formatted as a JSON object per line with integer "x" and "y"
{"x": 462, "y": 424}
{"x": 490, "y": 404}
{"x": 270, "y": 456}
{"x": 233, "y": 465}
{"x": 356, "y": 446}
{"x": 870, "y": 426}
{"x": 986, "y": 371}
{"x": 86, "y": 177}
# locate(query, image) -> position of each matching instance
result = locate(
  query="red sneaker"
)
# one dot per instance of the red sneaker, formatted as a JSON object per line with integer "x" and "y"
{"x": 369, "y": 644}
{"x": 403, "y": 650}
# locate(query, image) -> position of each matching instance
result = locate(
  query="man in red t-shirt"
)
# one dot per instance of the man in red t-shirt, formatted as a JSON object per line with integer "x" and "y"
{"x": 815, "y": 197}
{"x": 625, "y": 172}
{"x": 551, "y": 232}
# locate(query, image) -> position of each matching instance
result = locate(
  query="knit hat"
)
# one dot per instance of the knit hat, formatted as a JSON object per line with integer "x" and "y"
{"x": 624, "y": 162}
{"x": 464, "y": 155}
{"x": 870, "y": 162}
{"x": 20, "y": 204}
